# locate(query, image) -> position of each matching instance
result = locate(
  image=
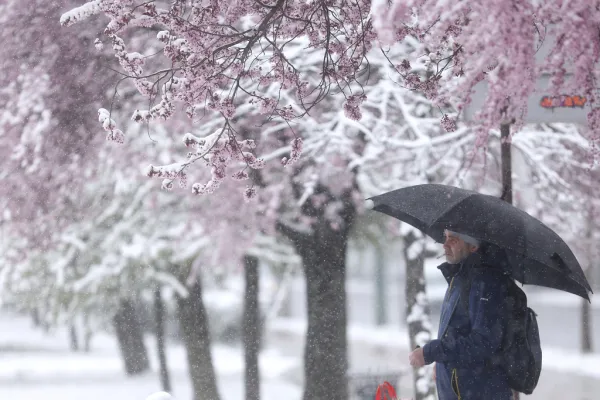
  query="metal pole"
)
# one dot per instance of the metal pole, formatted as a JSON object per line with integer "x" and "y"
{"x": 505, "y": 147}
{"x": 506, "y": 157}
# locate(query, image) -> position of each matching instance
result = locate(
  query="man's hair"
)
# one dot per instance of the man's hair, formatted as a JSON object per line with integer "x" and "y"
{"x": 466, "y": 238}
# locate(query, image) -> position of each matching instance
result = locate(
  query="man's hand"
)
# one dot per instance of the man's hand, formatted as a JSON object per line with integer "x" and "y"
{"x": 416, "y": 358}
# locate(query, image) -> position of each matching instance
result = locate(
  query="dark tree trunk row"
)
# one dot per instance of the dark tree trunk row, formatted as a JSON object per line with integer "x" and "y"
{"x": 131, "y": 339}
{"x": 252, "y": 328}
{"x": 193, "y": 321}
{"x": 323, "y": 253}
{"x": 159, "y": 320}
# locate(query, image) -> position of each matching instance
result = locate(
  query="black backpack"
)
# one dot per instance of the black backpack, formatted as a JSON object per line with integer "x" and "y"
{"x": 521, "y": 353}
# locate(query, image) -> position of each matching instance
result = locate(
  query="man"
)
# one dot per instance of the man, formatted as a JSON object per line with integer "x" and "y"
{"x": 470, "y": 330}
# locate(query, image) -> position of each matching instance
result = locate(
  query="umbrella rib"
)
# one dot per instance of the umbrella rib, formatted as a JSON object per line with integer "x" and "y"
{"x": 447, "y": 211}
{"x": 520, "y": 238}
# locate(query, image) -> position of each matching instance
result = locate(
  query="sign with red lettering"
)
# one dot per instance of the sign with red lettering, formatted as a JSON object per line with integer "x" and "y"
{"x": 543, "y": 105}
{"x": 568, "y": 101}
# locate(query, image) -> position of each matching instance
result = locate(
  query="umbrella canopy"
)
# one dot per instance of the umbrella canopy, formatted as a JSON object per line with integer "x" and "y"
{"x": 537, "y": 255}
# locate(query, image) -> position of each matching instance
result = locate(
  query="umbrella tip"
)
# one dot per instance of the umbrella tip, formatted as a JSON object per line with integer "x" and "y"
{"x": 369, "y": 204}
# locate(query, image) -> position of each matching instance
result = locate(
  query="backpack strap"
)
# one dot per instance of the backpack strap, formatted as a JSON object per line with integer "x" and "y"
{"x": 467, "y": 281}
{"x": 465, "y": 294}
{"x": 465, "y": 289}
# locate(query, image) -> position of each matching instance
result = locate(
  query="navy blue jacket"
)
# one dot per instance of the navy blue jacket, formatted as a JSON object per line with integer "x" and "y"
{"x": 468, "y": 337}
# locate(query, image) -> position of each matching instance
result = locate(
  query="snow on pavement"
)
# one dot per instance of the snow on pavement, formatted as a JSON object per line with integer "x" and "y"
{"x": 37, "y": 365}
{"x": 230, "y": 388}
{"x": 397, "y": 337}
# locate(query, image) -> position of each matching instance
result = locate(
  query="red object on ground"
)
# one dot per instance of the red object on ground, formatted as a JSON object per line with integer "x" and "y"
{"x": 385, "y": 391}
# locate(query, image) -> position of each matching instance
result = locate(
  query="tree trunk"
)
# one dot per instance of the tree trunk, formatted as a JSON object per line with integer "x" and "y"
{"x": 323, "y": 252}
{"x": 380, "y": 287}
{"x": 325, "y": 354}
{"x": 193, "y": 321}
{"x": 131, "y": 339}
{"x": 87, "y": 334}
{"x": 87, "y": 341}
{"x": 251, "y": 328}
{"x": 159, "y": 318}
{"x": 417, "y": 310}
{"x": 35, "y": 317}
{"x": 586, "y": 327}
{"x": 73, "y": 342}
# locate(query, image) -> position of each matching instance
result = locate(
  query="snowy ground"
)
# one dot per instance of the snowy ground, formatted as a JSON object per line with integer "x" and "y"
{"x": 38, "y": 366}
{"x": 554, "y": 359}
{"x": 566, "y": 374}
{"x": 35, "y": 366}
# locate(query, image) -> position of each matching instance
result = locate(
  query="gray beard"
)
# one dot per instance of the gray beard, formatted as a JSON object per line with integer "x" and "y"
{"x": 457, "y": 262}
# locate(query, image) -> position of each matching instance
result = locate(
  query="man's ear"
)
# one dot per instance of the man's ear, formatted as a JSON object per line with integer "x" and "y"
{"x": 473, "y": 249}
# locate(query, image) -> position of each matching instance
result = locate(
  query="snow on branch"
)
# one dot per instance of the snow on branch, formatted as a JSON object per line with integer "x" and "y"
{"x": 289, "y": 61}
{"x": 272, "y": 251}
{"x": 81, "y": 13}
{"x": 224, "y": 67}
{"x": 170, "y": 281}
{"x": 109, "y": 125}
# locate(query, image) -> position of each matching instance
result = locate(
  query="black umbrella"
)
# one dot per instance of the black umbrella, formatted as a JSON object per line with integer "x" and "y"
{"x": 537, "y": 255}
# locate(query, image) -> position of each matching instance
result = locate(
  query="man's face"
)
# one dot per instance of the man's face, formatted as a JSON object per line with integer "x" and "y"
{"x": 456, "y": 249}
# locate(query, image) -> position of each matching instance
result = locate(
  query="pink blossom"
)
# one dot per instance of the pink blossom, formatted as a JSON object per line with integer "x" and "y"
{"x": 248, "y": 144}
{"x": 249, "y": 193}
{"x": 594, "y": 119}
{"x": 183, "y": 180}
{"x": 401, "y": 33}
{"x": 413, "y": 81}
{"x": 141, "y": 116}
{"x": 167, "y": 184}
{"x": 198, "y": 189}
{"x": 267, "y": 106}
{"x": 240, "y": 176}
{"x": 116, "y": 135}
{"x": 286, "y": 113}
{"x": 448, "y": 123}
{"x": 404, "y": 66}
{"x": 352, "y": 106}
{"x": 228, "y": 108}
{"x": 145, "y": 87}
{"x": 448, "y": 51}
{"x": 295, "y": 153}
